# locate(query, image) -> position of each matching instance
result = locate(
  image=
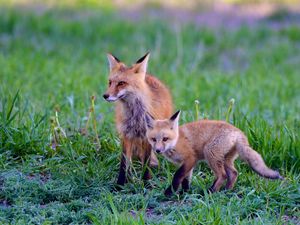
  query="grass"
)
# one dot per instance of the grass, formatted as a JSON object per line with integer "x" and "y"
{"x": 55, "y": 61}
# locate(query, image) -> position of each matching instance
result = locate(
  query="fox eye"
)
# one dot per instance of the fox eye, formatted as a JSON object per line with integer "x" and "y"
{"x": 165, "y": 139}
{"x": 153, "y": 139}
{"x": 121, "y": 83}
{"x": 109, "y": 83}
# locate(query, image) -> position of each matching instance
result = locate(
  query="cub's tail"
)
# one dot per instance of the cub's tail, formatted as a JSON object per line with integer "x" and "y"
{"x": 256, "y": 162}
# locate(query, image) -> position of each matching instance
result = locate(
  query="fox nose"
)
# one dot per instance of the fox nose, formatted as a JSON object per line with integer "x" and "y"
{"x": 105, "y": 96}
{"x": 158, "y": 150}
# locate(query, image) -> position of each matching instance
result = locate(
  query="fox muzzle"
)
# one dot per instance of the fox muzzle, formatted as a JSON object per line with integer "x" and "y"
{"x": 110, "y": 98}
{"x": 158, "y": 150}
{"x": 105, "y": 96}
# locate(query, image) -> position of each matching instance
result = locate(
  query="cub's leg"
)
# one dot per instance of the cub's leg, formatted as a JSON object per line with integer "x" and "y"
{"x": 179, "y": 176}
{"x": 215, "y": 161}
{"x": 185, "y": 184}
{"x": 220, "y": 175}
{"x": 215, "y": 152}
{"x": 230, "y": 170}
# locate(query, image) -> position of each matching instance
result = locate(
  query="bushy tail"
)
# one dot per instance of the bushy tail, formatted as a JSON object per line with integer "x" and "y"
{"x": 256, "y": 162}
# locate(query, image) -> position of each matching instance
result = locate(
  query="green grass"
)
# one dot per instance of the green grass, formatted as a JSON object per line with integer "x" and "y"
{"x": 57, "y": 59}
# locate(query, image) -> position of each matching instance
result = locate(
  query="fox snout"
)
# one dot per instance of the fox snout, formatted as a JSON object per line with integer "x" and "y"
{"x": 158, "y": 150}
{"x": 110, "y": 98}
{"x": 105, "y": 96}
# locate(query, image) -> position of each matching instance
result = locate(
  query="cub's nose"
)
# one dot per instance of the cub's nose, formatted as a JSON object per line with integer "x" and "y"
{"x": 105, "y": 96}
{"x": 158, "y": 151}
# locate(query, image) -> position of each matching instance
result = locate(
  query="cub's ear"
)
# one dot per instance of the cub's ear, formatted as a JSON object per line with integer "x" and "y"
{"x": 113, "y": 61}
{"x": 141, "y": 65}
{"x": 149, "y": 121}
{"x": 175, "y": 120}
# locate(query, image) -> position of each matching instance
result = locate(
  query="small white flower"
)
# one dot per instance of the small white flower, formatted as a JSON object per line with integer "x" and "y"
{"x": 231, "y": 101}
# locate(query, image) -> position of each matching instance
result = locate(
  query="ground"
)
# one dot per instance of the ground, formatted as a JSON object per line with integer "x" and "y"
{"x": 53, "y": 59}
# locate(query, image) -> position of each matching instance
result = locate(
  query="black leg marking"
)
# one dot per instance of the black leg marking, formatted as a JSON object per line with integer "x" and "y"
{"x": 147, "y": 174}
{"x": 212, "y": 188}
{"x": 185, "y": 184}
{"x": 168, "y": 191}
{"x": 177, "y": 179}
{"x": 122, "y": 172}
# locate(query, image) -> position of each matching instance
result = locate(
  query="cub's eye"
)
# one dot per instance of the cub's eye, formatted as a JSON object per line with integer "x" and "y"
{"x": 153, "y": 139}
{"x": 121, "y": 83}
{"x": 109, "y": 82}
{"x": 165, "y": 139}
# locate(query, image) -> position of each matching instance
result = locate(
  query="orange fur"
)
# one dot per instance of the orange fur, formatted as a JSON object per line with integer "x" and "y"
{"x": 136, "y": 93}
{"x": 217, "y": 142}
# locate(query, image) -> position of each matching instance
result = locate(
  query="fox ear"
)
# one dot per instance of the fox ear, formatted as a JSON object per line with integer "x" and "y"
{"x": 175, "y": 119}
{"x": 149, "y": 121}
{"x": 113, "y": 61}
{"x": 141, "y": 65}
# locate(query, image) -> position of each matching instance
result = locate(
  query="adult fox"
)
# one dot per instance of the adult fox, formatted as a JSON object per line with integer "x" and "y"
{"x": 135, "y": 93}
{"x": 217, "y": 142}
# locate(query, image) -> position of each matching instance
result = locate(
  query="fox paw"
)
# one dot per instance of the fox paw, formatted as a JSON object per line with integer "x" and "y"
{"x": 117, "y": 188}
{"x": 183, "y": 191}
{"x": 211, "y": 190}
{"x": 168, "y": 192}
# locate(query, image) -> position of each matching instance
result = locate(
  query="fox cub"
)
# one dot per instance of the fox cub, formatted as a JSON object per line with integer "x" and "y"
{"x": 135, "y": 93}
{"x": 217, "y": 142}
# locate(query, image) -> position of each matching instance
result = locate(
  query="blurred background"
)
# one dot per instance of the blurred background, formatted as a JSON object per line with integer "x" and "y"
{"x": 53, "y": 59}
{"x": 54, "y": 52}
{"x": 56, "y": 49}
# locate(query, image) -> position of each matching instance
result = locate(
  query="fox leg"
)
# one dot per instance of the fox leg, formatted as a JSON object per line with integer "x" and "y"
{"x": 179, "y": 176}
{"x": 147, "y": 161}
{"x": 220, "y": 178}
{"x": 218, "y": 168}
{"x": 153, "y": 160}
{"x": 230, "y": 170}
{"x": 214, "y": 154}
{"x": 232, "y": 174}
{"x": 185, "y": 184}
{"x": 125, "y": 160}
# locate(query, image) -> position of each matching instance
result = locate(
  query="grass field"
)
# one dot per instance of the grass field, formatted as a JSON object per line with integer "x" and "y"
{"x": 55, "y": 59}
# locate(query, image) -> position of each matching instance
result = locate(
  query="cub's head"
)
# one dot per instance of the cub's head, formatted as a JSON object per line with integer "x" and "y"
{"x": 124, "y": 81}
{"x": 162, "y": 134}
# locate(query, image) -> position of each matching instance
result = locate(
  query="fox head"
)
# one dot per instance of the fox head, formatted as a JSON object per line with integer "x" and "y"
{"x": 162, "y": 134}
{"x": 123, "y": 81}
